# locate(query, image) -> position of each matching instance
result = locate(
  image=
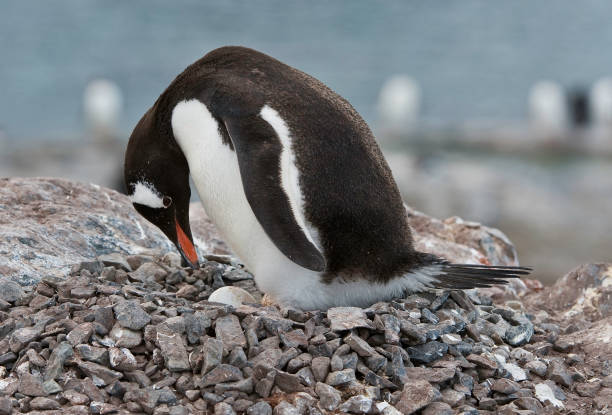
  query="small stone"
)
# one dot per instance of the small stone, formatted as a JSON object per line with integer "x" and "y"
{"x": 359, "y": 345}
{"x": 245, "y": 385}
{"x": 178, "y": 410}
{"x": 429, "y": 317}
{"x": 428, "y": 352}
{"x": 31, "y": 385}
{"x": 588, "y": 389}
{"x": 437, "y": 408}
{"x": 145, "y": 269}
{"x": 51, "y": 387}
{"x": 174, "y": 352}
{"x": 453, "y": 397}
{"x": 213, "y": 353}
{"x": 22, "y": 337}
{"x": 482, "y": 361}
{"x": 94, "y": 267}
{"x": 395, "y": 368}
{"x": 220, "y": 374}
{"x": 451, "y": 339}
{"x": 260, "y": 408}
{"x": 505, "y": 386}
{"x": 124, "y": 337}
{"x": 105, "y": 317}
{"x": 6, "y": 406}
{"x": 7, "y": 358}
{"x": 238, "y": 358}
{"x": 269, "y": 357}
{"x": 34, "y": 358}
{"x": 264, "y": 386}
{"x": 187, "y": 291}
{"x": 82, "y": 292}
{"x": 416, "y": 394}
{"x": 336, "y": 363}
{"x": 320, "y": 367}
{"x": 299, "y": 362}
{"x": 347, "y": 318}
{"x": 519, "y": 335}
{"x": 40, "y": 404}
{"x": 223, "y": 408}
{"x": 516, "y": 372}
{"x": 122, "y": 359}
{"x": 55, "y": 364}
{"x": 139, "y": 377}
{"x": 115, "y": 260}
{"x": 130, "y": 315}
{"x": 537, "y": 366}
{"x": 80, "y": 334}
{"x": 10, "y": 291}
{"x": 75, "y": 398}
{"x": 101, "y": 375}
{"x": 340, "y": 377}
{"x": 92, "y": 354}
{"x": 285, "y": 408}
{"x": 306, "y": 377}
{"x": 557, "y": 372}
{"x": 357, "y": 405}
{"x": 228, "y": 330}
{"x": 529, "y": 404}
{"x": 487, "y": 404}
{"x": 288, "y": 383}
{"x": 544, "y": 394}
{"x": 433, "y": 375}
{"x": 294, "y": 338}
{"x": 9, "y": 386}
{"x": 196, "y": 325}
{"x": 329, "y": 397}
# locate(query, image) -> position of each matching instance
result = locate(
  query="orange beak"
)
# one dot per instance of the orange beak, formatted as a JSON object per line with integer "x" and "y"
{"x": 186, "y": 247}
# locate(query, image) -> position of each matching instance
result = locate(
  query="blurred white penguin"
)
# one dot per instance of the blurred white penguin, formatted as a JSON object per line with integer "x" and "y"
{"x": 548, "y": 107}
{"x": 102, "y": 105}
{"x": 601, "y": 102}
{"x": 399, "y": 103}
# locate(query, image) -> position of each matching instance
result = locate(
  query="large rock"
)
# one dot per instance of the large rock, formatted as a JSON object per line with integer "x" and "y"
{"x": 584, "y": 292}
{"x": 48, "y": 224}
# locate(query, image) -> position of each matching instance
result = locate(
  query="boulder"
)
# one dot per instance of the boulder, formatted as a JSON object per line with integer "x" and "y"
{"x": 49, "y": 224}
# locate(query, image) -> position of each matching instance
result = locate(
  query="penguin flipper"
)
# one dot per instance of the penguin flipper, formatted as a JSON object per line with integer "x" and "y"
{"x": 259, "y": 149}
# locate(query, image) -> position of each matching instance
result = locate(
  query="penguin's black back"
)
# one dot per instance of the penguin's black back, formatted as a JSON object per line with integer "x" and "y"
{"x": 349, "y": 193}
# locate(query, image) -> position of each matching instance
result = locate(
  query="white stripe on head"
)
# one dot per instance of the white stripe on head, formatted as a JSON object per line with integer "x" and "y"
{"x": 146, "y": 194}
{"x": 289, "y": 173}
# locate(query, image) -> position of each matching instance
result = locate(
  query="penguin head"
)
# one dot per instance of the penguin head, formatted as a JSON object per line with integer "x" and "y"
{"x": 157, "y": 178}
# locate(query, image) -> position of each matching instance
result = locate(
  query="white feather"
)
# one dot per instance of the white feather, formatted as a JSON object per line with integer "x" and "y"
{"x": 289, "y": 173}
{"x": 146, "y": 194}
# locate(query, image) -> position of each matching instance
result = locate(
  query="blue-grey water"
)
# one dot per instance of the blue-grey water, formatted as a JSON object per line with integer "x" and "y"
{"x": 472, "y": 58}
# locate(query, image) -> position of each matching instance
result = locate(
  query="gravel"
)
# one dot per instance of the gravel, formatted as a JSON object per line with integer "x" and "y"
{"x": 138, "y": 334}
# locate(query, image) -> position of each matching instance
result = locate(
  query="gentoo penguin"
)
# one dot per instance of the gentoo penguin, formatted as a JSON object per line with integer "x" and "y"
{"x": 293, "y": 179}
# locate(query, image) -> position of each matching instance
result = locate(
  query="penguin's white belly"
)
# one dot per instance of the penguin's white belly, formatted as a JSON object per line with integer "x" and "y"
{"x": 215, "y": 172}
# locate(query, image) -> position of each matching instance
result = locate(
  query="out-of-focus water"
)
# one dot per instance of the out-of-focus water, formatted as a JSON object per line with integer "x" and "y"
{"x": 473, "y": 58}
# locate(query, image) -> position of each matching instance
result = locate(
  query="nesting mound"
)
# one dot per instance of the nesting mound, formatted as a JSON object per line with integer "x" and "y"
{"x": 133, "y": 334}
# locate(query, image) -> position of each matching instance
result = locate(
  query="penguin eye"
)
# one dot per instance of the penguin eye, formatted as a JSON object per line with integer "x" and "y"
{"x": 167, "y": 201}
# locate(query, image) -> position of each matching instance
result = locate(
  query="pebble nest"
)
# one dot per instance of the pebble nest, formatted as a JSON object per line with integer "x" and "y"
{"x": 136, "y": 334}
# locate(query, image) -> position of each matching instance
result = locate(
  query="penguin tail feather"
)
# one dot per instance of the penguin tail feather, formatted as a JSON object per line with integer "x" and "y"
{"x": 466, "y": 276}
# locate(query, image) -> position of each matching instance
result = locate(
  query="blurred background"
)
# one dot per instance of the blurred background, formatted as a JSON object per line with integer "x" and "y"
{"x": 498, "y": 112}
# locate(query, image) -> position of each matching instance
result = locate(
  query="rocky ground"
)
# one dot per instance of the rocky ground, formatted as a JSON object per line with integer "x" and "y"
{"x": 129, "y": 332}
{"x": 136, "y": 334}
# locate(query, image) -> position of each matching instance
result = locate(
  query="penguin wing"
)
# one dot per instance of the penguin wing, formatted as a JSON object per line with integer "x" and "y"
{"x": 259, "y": 148}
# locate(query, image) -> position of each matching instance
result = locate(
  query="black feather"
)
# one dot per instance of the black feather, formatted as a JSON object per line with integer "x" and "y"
{"x": 466, "y": 276}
